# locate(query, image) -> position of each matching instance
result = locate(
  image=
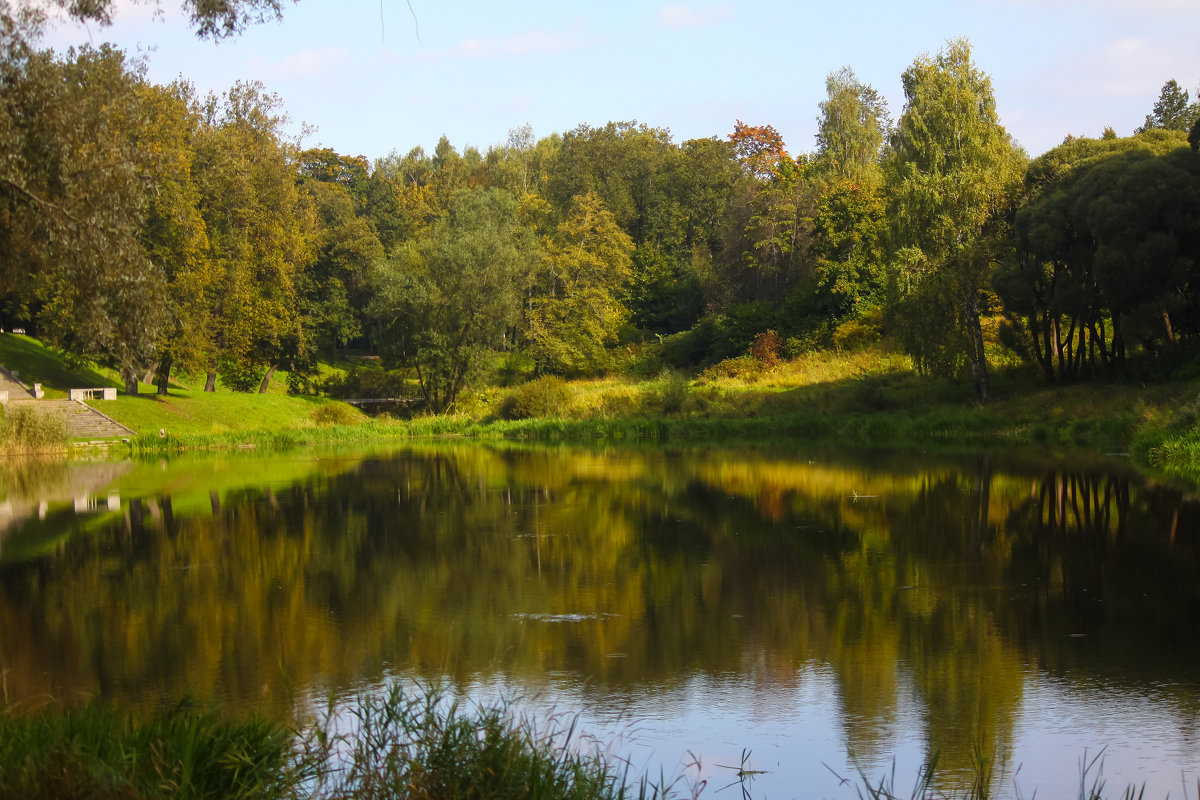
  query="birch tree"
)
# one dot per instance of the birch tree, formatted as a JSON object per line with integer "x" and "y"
{"x": 952, "y": 169}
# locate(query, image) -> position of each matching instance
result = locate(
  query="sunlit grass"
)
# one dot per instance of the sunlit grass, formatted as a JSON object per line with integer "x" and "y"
{"x": 869, "y": 395}
{"x": 37, "y": 363}
{"x": 192, "y": 412}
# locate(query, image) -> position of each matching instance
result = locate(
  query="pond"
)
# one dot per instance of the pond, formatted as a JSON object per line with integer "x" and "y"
{"x": 821, "y": 613}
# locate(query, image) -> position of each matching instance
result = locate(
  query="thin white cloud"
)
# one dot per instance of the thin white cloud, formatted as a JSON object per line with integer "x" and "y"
{"x": 523, "y": 44}
{"x": 1087, "y": 88}
{"x": 1133, "y": 6}
{"x": 303, "y": 64}
{"x": 1134, "y": 66}
{"x": 682, "y": 15}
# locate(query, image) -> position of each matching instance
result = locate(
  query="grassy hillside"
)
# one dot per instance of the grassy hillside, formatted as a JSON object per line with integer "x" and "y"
{"x": 38, "y": 364}
{"x": 186, "y": 411}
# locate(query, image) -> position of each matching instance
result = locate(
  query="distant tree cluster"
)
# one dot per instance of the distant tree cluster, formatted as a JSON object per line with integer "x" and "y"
{"x": 164, "y": 232}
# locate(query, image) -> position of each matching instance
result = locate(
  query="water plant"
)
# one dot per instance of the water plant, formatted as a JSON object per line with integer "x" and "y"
{"x": 25, "y": 430}
{"x": 398, "y": 740}
{"x": 182, "y": 752}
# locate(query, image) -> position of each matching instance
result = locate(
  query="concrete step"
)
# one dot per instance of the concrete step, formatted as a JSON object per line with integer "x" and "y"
{"x": 83, "y": 422}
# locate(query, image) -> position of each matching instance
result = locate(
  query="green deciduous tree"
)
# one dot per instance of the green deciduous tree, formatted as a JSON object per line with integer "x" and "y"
{"x": 261, "y": 231}
{"x": 73, "y": 188}
{"x": 768, "y": 254}
{"x": 446, "y": 299}
{"x": 849, "y": 220}
{"x": 334, "y": 288}
{"x": 952, "y": 170}
{"x": 852, "y": 128}
{"x": 577, "y": 309}
{"x": 1107, "y": 245}
{"x": 174, "y": 235}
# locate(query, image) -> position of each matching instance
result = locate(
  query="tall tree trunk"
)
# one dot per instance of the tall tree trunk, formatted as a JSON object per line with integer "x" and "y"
{"x": 1040, "y": 330}
{"x": 1058, "y": 347}
{"x": 1118, "y": 344}
{"x": 1101, "y": 334}
{"x": 1069, "y": 346}
{"x": 1095, "y": 343}
{"x": 162, "y": 377}
{"x": 978, "y": 356}
{"x": 131, "y": 382}
{"x": 210, "y": 385}
{"x": 266, "y": 381}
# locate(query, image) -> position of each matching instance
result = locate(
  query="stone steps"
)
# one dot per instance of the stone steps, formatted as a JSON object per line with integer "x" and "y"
{"x": 83, "y": 422}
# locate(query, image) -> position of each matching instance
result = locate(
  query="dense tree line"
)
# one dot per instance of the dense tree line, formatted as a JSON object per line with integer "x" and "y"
{"x": 166, "y": 233}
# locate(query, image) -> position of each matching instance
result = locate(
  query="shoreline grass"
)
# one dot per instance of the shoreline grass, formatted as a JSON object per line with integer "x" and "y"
{"x": 418, "y": 742}
{"x": 1139, "y": 434}
{"x": 867, "y": 397}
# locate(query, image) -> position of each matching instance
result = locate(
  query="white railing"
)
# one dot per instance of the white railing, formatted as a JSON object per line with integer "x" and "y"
{"x": 105, "y": 393}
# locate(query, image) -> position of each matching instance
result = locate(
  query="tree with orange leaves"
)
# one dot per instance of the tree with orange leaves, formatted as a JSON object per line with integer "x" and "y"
{"x": 759, "y": 148}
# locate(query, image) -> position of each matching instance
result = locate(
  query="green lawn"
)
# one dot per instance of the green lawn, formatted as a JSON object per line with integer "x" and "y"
{"x": 39, "y": 364}
{"x": 190, "y": 412}
{"x": 870, "y": 396}
{"x": 186, "y": 411}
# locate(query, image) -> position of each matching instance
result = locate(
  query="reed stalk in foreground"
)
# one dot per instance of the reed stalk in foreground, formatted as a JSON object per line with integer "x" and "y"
{"x": 416, "y": 743}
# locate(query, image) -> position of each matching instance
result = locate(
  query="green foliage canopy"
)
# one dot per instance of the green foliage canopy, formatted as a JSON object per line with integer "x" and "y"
{"x": 447, "y": 299}
{"x": 578, "y": 310}
{"x": 952, "y": 170}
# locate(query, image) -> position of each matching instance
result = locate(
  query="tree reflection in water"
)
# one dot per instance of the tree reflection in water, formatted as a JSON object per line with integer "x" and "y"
{"x": 932, "y": 591}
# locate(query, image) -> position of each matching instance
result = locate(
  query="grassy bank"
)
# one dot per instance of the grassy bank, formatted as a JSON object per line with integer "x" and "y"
{"x": 868, "y": 397}
{"x": 402, "y": 743}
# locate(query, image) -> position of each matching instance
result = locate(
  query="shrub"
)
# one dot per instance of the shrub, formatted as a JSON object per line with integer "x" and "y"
{"x": 765, "y": 348}
{"x": 745, "y": 367}
{"x": 639, "y": 361}
{"x": 549, "y": 396}
{"x": 857, "y": 334}
{"x": 25, "y": 430}
{"x": 240, "y": 376}
{"x": 335, "y": 414}
{"x": 807, "y": 342}
{"x": 674, "y": 390}
{"x": 688, "y": 347}
{"x": 515, "y": 367}
{"x": 303, "y": 384}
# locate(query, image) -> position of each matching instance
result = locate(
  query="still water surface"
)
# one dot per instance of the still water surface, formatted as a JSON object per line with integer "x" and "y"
{"x": 828, "y": 612}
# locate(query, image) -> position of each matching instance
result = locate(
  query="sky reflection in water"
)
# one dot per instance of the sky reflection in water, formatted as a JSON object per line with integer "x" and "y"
{"x": 826, "y": 613}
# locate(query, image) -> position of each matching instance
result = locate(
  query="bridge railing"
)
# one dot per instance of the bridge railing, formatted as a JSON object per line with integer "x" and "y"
{"x": 100, "y": 393}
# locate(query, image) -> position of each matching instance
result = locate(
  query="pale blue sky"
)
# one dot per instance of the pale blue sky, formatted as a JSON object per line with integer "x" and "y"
{"x": 371, "y": 79}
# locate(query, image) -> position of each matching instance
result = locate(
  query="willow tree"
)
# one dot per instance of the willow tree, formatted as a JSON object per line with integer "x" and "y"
{"x": 952, "y": 170}
{"x": 73, "y": 189}
{"x": 84, "y": 179}
{"x": 446, "y": 300}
